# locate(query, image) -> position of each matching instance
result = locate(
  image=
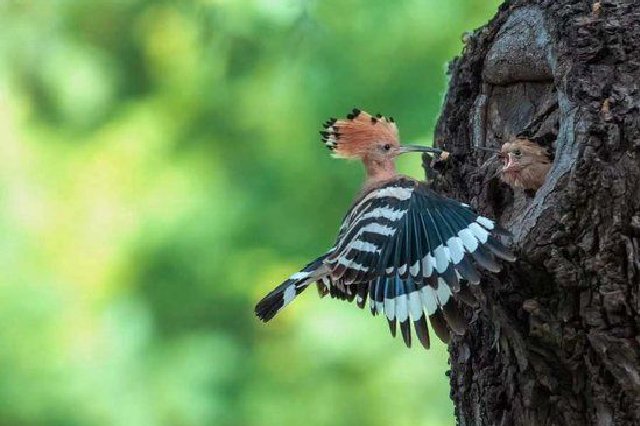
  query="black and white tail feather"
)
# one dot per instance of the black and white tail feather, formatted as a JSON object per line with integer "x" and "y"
{"x": 282, "y": 295}
{"x": 408, "y": 250}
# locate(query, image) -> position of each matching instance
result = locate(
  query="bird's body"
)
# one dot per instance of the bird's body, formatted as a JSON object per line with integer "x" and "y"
{"x": 401, "y": 245}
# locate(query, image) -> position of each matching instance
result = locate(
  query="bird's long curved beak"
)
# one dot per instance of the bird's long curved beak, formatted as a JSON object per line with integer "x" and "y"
{"x": 419, "y": 148}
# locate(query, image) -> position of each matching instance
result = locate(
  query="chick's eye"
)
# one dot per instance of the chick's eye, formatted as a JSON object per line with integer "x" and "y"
{"x": 517, "y": 153}
{"x": 387, "y": 147}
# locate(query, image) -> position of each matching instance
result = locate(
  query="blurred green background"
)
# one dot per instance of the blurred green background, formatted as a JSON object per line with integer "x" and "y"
{"x": 161, "y": 170}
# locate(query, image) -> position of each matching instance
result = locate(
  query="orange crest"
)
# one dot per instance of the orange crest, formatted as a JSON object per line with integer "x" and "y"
{"x": 352, "y": 137}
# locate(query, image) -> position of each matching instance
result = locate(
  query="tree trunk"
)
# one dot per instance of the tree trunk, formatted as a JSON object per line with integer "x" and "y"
{"x": 556, "y": 340}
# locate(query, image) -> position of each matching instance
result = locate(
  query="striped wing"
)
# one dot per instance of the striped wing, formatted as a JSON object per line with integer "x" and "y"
{"x": 370, "y": 225}
{"x": 406, "y": 248}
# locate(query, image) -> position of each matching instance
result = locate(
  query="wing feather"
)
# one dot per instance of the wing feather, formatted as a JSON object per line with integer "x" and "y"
{"x": 390, "y": 304}
{"x": 408, "y": 250}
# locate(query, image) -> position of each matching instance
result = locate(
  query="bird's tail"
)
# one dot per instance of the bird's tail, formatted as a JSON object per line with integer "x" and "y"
{"x": 282, "y": 295}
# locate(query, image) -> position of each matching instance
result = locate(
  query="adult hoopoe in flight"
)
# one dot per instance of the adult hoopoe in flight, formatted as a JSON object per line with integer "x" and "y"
{"x": 401, "y": 245}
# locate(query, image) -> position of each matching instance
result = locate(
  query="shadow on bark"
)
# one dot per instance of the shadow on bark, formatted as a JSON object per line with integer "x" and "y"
{"x": 556, "y": 341}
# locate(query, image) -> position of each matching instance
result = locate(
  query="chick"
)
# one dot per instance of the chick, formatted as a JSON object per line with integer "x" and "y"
{"x": 525, "y": 164}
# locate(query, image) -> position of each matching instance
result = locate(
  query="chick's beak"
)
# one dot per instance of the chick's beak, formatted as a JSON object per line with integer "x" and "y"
{"x": 510, "y": 164}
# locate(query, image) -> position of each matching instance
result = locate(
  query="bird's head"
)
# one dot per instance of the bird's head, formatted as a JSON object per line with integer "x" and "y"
{"x": 372, "y": 139}
{"x": 525, "y": 164}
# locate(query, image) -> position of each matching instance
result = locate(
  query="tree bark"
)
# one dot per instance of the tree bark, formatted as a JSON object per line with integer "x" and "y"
{"x": 556, "y": 340}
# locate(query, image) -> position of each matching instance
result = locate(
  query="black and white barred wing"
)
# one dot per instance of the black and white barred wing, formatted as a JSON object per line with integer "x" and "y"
{"x": 406, "y": 248}
{"x": 406, "y": 228}
{"x": 369, "y": 226}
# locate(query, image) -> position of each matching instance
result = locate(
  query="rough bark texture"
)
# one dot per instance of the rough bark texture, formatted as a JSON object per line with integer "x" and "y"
{"x": 556, "y": 340}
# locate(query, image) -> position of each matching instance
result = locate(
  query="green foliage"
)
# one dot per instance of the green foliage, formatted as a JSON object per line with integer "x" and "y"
{"x": 160, "y": 170}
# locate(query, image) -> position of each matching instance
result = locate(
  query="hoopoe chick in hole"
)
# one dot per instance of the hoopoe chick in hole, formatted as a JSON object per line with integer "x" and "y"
{"x": 525, "y": 164}
{"x": 407, "y": 249}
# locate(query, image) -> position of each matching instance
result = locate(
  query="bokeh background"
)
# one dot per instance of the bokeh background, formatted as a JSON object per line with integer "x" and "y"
{"x": 161, "y": 170}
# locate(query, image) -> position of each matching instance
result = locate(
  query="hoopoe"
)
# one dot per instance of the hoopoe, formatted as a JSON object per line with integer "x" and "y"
{"x": 525, "y": 164}
{"x": 401, "y": 245}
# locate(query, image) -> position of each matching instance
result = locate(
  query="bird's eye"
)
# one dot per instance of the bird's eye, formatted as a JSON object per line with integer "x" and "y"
{"x": 387, "y": 147}
{"x": 517, "y": 153}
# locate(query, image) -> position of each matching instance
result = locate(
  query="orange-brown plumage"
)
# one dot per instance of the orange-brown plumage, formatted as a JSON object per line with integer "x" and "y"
{"x": 352, "y": 137}
{"x": 372, "y": 139}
